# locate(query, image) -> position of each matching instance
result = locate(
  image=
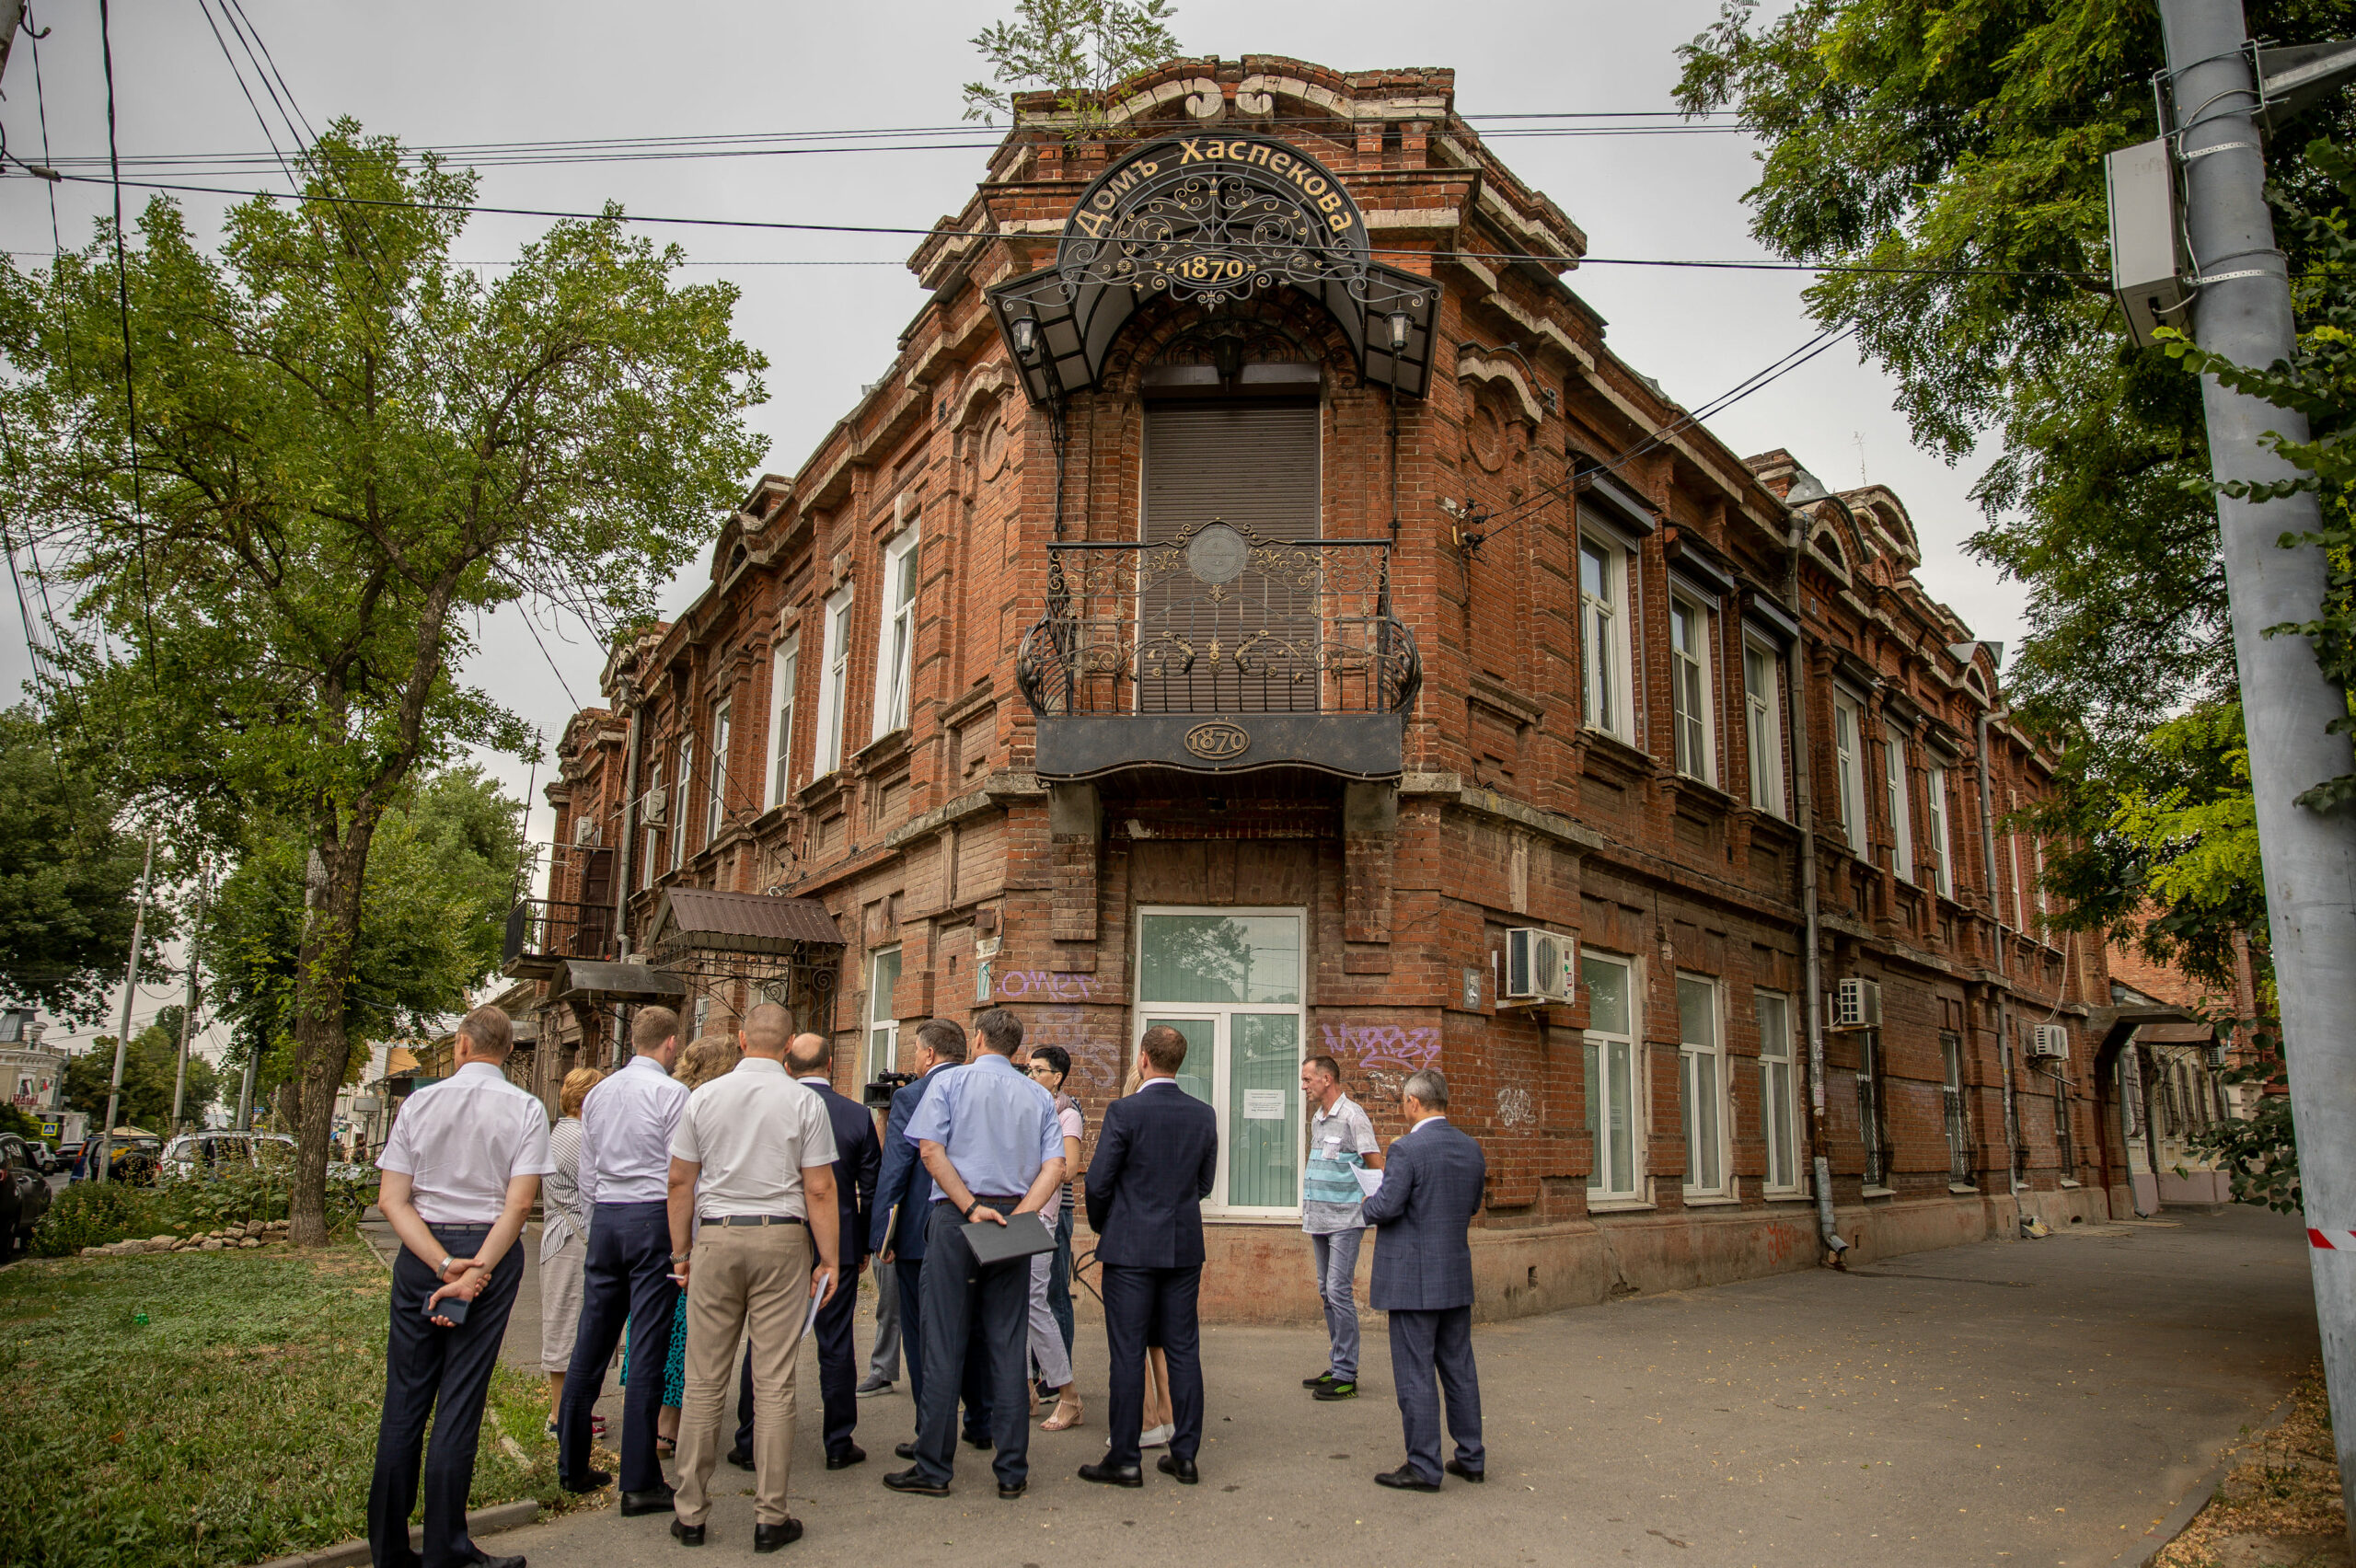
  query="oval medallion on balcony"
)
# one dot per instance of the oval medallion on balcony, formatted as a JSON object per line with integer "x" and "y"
{"x": 1218, "y": 740}
{"x": 1217, "y": 554}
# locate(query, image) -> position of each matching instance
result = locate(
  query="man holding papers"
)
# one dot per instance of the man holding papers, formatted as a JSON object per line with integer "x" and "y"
{"x": 990, "y": 1139}
{"x": 1156, "y": 1156}
{"x": 753, "y": 1159}
{"x": 1342, "y": 1154}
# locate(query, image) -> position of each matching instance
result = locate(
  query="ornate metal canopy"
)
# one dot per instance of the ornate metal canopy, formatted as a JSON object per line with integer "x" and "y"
{"x": 1211, "y": 219}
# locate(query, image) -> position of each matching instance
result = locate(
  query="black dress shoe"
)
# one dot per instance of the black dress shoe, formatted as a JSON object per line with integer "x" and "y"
{"x": 914, "y": 1480}
{"x": 655, "y": 1502}
{"x": 1405, "y": 1480}
{"x": 741, "y": 1457}
{"x": 1009, "y": 1491}
{"x": 844, "y": 1457}
{"x": 1110, "y": 1474}
{"x": 905, "y": 1451}
{"x": 1456, "y": 1467}
{"x": 1171, "y": 1464}
{"x": 770, "y": 1537}
{"x": 979, "y": 1440}
{"x": 590, "y": 1481}
{"x": 687, "y": 1535}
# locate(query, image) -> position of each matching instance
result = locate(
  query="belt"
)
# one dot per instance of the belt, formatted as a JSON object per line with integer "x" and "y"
{"x": 437, "y": 1226}
{"x": 758, "y": 1219}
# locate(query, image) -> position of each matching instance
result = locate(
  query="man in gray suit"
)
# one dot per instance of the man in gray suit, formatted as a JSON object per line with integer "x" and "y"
{"x": 1422, "y": 1277}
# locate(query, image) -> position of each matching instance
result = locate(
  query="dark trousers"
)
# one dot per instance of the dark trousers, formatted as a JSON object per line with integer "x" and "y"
{"x": 1149, "y": 1306}
{"x": 1060, "y": 1276}
{"x": 625, "y": 1276}
{"x": 965, "y": 1304}
{"x": 1423, "y": 1344}
{"x": 442, "y": 1374}
{"x": 973, "y": 1383}
{"x": 838, "y": 1371}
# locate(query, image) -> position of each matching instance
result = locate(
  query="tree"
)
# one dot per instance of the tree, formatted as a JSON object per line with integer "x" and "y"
{"x": 442, "y": 874}
{"x": 1078, "y": 49}
{"x": 69, "y": 880}
{"x": 149, "y": 1069}
{"x": 347, "y": 450}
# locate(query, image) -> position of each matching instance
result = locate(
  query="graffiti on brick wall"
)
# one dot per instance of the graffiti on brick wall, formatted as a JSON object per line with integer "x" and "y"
{"x": 1382, "y": 1045}
{"x": 1095, "y": 1075}
{"x": 1515, "y": 1110}
{"x": 1045, "y": 986}
{"x": 1383, "y": 1085}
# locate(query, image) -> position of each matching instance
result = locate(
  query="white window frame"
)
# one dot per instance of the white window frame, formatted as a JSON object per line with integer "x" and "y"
{"x": 1779, "y": 1093}
{"x": 1597, "y": 1046}
{"x": 701, "y": 1014}
{"x": 1703, "y": 1143}
{"x": 834, "y": 683}
{"x": 1604, "y": 654}
{"x": 1693, "y": 689}
{"x": 677, "y": 814}
{"x": 1763, "y": 721}
{"x": 2037, "y": 850}
{"x": 715, "y": 810}
{"x": 896, "y": 637}
{"x": 880, "y": 1036}
{"x": 1221, "y": 1016}
{"x": 650, "y": 856}
{"x": 2020, "y": 903}
{"x": 1898, "y": 800}
{"x": 1848, "y": 767}
{"x": 1934, "y": 793}
{"x": 785, "y": 669}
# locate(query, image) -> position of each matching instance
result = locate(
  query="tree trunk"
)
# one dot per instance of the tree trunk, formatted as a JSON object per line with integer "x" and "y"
{"x": 335, "y": 877}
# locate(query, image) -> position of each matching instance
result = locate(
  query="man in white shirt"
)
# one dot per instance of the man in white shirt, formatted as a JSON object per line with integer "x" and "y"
{"x": 626, "y": 1127}
{"x": 1340, "y": 1142}
{"x": 460, "y": 1171}
{"x": 753, "y": 1160}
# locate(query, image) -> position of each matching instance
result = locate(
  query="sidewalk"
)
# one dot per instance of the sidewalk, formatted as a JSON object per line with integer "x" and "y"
{"x": 2015, "y": 1402}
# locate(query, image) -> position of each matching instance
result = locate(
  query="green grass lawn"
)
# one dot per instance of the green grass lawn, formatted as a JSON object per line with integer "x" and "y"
{"x": 237, "y": 1424}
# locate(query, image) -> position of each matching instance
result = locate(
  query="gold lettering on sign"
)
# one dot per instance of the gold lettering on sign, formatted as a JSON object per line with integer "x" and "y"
{"x": 1192, "y": 152}
{"x": 1218, "y": 741}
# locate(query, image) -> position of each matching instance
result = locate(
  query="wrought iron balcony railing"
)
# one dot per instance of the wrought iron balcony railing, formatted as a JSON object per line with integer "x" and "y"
{"x": 1218, "y": 620}
{"x": 542, "y": 933}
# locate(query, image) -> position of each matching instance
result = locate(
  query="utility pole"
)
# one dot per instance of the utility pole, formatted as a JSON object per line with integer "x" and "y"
{"x": 123, "y": 1032}
{"x": 188, "y": 1006}
{"x": 246, "y": 1092}
{"x": 2241, "y": 310}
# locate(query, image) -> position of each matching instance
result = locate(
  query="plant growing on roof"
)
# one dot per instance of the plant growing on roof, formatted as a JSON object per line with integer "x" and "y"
{"x": 1081, "y": 51}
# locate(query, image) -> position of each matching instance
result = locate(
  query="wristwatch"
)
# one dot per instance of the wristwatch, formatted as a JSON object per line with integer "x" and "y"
{"x": 448, "y": 1259}
{"x": 970, "y": 1208}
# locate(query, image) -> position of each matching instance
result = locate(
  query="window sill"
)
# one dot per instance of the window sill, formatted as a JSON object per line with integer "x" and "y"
{"x": 1621, "y": 1206}
{"x": 1878, "y": 1192}
{"x": 2072, "y": 1184}
{"x": 1711, "y": 1199}
{"x": 1794, "y": 1197}
{"x": 1963, "y": 1189}
{"x": 1292, "y": 1219}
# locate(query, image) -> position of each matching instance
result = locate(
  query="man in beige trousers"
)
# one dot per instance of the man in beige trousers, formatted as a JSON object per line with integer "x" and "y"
{"x": 753, "y": 1160}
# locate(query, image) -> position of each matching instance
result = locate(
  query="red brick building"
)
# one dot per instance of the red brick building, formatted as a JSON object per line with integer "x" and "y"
{"x": 1256, "y": 597}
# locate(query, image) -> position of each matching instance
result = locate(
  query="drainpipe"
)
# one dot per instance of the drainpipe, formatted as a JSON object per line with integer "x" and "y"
{"x": 2003, "y": 987}
{"x": 1804, "y": 813}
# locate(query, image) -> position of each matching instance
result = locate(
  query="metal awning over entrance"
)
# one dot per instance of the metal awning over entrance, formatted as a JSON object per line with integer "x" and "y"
{"x": 1211, "y": 220}
{"x": 586, "y": 982}
{"x": 738, "y": 922}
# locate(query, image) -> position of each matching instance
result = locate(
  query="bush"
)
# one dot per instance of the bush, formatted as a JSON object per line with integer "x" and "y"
{"x": 91, "y": 1214}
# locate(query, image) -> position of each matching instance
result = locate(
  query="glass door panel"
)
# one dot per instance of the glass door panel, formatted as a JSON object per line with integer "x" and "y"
{"x": 1195, "y": 1076}
{"x": 1264, "y": 1127}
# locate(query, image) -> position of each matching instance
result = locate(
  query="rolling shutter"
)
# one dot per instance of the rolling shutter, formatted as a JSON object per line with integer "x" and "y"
{"x": 1252, "y": 464}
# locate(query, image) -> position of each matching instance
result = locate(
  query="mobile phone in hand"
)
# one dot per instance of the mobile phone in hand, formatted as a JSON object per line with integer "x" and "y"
{"x": 451, "y": 1307}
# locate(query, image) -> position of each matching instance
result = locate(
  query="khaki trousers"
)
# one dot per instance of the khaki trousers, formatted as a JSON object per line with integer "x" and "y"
{"x": 743, "y": 1280}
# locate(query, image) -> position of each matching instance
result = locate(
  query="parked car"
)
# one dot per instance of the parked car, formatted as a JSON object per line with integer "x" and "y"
{"x": 199, "y": 1156}
{"x": 69, "y": 1156}
{"x": 24, "y": 1193}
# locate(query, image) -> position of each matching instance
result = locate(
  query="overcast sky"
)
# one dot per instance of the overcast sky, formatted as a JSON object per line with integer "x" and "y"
{"x": 443, "y": 74}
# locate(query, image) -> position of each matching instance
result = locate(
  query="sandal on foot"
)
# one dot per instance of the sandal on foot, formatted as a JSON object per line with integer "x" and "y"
{"x": 1059, "y": 1422}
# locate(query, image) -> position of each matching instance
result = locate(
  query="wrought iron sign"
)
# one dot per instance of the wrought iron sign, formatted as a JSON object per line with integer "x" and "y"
{"x": 1212, "y": 219}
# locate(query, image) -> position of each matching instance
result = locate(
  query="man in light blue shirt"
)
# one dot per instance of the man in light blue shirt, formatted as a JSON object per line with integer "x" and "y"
{"x": 990, "y": 1140}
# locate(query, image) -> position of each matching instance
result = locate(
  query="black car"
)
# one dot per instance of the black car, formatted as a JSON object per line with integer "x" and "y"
{"x": 24, "y": 1192}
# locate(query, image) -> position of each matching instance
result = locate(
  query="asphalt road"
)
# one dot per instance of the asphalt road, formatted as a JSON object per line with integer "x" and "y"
{"x": 2010, "y": 1402}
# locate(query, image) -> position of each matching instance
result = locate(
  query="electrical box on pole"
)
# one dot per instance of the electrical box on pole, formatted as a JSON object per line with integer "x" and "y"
{"x": 2146, "y": 244}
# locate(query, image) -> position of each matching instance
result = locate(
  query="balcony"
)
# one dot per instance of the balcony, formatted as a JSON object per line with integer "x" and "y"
{"x": 1219, "y": 651}
{"x": 543, "y": 934}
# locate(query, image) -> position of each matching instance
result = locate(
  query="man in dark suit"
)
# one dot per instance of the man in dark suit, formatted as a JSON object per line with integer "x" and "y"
{"x": 859, "y": 1157}
{"x": 1422, "y": 1277}
{"x": 896, "y": 1219}
{"x": 1155, "y": 1155}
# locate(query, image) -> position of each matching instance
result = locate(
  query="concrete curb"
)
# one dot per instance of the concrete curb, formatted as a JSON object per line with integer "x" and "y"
{"x": 354, "y": 1554}
{"x": 2163, "y": 1535}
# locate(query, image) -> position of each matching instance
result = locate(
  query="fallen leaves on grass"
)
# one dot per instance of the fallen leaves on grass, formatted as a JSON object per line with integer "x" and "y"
{"x": 2280, "y": 1504}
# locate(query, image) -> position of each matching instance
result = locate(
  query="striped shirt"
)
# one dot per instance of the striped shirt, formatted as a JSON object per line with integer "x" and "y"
{"x": 1339, "y": 1141}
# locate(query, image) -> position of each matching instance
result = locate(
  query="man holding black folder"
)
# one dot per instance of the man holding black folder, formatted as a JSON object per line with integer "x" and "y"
{"x": 989, "y": 1139}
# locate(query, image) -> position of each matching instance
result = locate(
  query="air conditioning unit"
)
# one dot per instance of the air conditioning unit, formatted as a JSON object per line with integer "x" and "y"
{"x": 650, "y": 806}
{"x": 584, "y": 830}
{"x": 1540, "y": 965}
{"x": 2050, "y": 1040}
{"x": 1857, "y": 1003}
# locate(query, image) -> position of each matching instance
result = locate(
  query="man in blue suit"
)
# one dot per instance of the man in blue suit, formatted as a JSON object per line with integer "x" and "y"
{"x": 859, "y": 1157}
{"x": 1155, "y": 1155}
{"x": 1422, "y": 1277}
{"x": 896, "y": 1224}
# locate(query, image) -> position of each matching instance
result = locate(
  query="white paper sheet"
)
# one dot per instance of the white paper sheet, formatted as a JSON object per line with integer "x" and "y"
{"x": 1264, "y": 1105}
{"x": 1369, "y": 1181}
{"x": 816, "y": 1302}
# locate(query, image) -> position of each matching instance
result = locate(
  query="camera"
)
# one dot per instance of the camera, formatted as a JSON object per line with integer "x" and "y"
{"x": 878, "y": 1093}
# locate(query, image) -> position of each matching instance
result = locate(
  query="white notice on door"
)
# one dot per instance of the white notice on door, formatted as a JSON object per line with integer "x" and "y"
{"x": 1264, "y": 1104}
